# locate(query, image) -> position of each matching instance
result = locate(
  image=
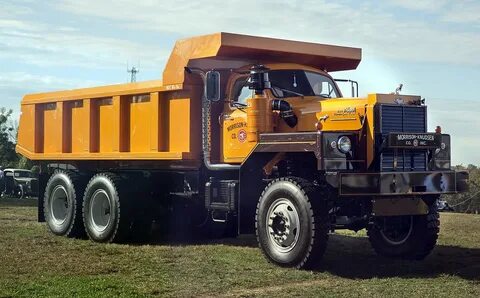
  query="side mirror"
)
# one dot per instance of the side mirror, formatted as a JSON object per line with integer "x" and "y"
{"x": 212, "y": 86}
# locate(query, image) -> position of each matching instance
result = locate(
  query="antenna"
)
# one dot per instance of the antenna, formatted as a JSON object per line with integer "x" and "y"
{"x": 133, "y": 73}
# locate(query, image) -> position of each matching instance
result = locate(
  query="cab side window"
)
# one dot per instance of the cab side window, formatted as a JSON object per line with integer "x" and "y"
{"x": 241, "y": 92}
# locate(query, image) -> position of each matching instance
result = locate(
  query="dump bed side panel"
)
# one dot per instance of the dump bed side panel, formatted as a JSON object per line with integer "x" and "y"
{"x": 159, "y": 125}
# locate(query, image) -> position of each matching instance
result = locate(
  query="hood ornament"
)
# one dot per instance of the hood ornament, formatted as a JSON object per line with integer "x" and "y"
{"x": 398, "y": 100}
{"x": 399, "y": 88}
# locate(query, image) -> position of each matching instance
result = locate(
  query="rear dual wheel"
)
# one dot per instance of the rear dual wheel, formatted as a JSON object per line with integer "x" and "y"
{"x": 63, "y": 204}
{"x": 101, "y": 209}
{"x": 97, "y": 214}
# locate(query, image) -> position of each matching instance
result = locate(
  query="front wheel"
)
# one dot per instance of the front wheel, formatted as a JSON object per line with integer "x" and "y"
{"x": 292, "y": 222}
{"x": 406, "y": 237}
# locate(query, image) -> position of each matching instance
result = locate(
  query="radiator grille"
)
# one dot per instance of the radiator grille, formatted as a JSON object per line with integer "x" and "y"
{"x": 401, "y": 118}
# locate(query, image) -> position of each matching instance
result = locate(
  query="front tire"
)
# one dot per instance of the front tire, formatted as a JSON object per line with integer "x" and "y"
{"x": 292, "y": 222}
{"x": 405, "y": 237}
{"x": 105, "y": 209}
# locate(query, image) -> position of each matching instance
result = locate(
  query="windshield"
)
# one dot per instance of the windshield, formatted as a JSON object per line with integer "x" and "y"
{"x": 23, "y": 174}
{"x": 288, "y": 83}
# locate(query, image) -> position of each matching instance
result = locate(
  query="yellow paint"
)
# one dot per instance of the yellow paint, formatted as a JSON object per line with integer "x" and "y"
{"x": 259, "y": 115}
{"x": 179, "y": 125}
{"x": 154, "y": 126}
{"x": 236, "y": 147}
{"x": 140, "y": 125}
{"x": 53, "y": 125}
{"x": 26, "y": 128}
{"x": 98, "y": 92}
{"x": 104, "y": 155}
{"x": 108, "y": 126}
{"x": 81, "y": 126}
{"x": 338, "y": 114}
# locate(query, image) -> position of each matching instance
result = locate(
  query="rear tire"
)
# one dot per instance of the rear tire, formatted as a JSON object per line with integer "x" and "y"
{"x": 63, "y": 204}
{"x": 105, "y": 209}
{"x": 292, "y": 222}
{"x": 405, "y": 237}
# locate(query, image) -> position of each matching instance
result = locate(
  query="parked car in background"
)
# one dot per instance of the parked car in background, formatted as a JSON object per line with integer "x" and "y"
{"x": 442, "y": 205}
{"x": 19, "y": 183}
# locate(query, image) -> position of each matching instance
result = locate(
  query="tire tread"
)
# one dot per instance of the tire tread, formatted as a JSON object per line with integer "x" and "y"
{"x": 316, "y": 198}
{"x": 122, "y": 225}
{"x": 75, "y": 230}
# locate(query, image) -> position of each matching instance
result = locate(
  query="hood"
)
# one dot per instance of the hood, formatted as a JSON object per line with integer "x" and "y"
{"x": 333, "y": 114}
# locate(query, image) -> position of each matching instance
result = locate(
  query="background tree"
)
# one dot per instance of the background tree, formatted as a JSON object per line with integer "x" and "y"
{"x": 468, "y": 202}
{"x": 8, "y": 140}
{"x": 8, "y": 156}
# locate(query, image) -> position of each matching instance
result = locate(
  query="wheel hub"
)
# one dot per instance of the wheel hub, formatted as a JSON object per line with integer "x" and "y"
{"x": 59, "y": 205}
{"x": 283, "y": 224}
{"x": 100, "y": 208}
{"x": 396, "y": 231}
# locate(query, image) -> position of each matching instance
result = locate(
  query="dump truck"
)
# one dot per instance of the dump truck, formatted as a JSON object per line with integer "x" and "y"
{"x": 243, "y": 135}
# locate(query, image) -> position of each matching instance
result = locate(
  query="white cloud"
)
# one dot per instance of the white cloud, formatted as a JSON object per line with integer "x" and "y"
{"x": 45, "y": 82}
{"x": 459, "y": 118}
{"x": 421, "y": 5}
{"x": 463, "y": 12}
{"x": 45, "y": 45}
{"x": 378, "y": 31}
{"x": 14, "y": 85}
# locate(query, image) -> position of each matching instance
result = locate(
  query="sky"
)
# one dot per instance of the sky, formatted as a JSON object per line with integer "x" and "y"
{"x": 431, "y": 46}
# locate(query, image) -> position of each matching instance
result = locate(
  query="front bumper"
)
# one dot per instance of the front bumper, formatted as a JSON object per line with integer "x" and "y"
{"x": 402, "y": 183}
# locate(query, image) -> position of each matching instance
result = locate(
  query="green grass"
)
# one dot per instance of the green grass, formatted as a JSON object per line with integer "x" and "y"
{"x": 34, "y": 263}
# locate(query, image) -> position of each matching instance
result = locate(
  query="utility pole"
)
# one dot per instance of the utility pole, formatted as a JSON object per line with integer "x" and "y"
{"x": 133, "y": 73}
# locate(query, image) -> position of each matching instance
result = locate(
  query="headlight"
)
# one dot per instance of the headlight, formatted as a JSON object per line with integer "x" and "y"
{"x": 344, "y": 144}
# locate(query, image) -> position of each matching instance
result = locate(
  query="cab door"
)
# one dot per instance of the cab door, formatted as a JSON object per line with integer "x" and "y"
{"x": 235, "y": 146}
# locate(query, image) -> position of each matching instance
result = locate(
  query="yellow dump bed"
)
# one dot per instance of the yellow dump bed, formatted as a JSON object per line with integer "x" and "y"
{"x": 128, "y": 121}
{"x": 153, "y": 120}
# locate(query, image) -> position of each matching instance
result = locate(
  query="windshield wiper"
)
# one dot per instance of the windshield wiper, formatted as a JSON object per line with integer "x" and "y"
{"x": 290, "y": 91}
{"x": 239, "y": 104}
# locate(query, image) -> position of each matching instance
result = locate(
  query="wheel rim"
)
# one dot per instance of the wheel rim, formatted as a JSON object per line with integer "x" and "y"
{"x": 100, "y": 208}
{"x": 397, "y": 233}
{"x": 283, "y": 225}
{"x": 59, "y": 205}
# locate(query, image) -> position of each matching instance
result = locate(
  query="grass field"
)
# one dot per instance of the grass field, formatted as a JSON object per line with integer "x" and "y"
{"x": 34, "y": 263}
